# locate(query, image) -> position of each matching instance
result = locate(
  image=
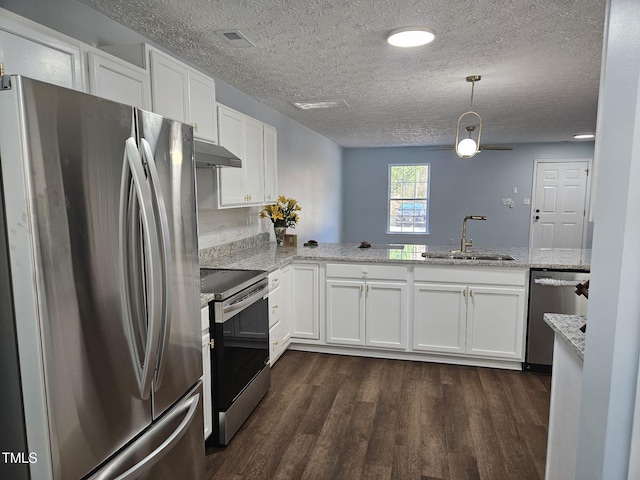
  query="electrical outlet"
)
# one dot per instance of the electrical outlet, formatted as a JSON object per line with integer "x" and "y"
{"x": 526, "y": 201}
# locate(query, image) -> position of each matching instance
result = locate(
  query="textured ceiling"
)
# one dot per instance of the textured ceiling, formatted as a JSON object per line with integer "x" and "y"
{"x": 539, "y": 61}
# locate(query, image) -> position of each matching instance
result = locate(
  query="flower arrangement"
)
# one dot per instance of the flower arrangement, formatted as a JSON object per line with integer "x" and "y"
{"x": 284, "y": 213}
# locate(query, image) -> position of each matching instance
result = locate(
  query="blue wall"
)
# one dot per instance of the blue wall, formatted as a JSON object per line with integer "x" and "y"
{"x": 458, "y": 187}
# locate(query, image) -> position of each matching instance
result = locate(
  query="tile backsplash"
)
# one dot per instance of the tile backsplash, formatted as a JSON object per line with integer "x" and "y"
{"x": 218, "y": 227}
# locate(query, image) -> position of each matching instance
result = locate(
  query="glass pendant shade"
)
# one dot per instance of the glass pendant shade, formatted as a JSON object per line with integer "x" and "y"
{"x": 467, "y": 148}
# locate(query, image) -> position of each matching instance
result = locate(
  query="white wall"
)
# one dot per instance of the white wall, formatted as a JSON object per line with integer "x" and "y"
{"x": 613, "y": 328}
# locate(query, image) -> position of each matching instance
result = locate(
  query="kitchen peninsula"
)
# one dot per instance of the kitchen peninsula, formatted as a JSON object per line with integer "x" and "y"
{"x": 566, "y": 387}
{"x": 388, "y": 301}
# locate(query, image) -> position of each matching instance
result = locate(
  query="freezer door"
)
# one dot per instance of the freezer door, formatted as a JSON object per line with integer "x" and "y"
{"x": 172, "y": 449}
{"x": 63, "y": 163}
{"x": 166, "y": 147}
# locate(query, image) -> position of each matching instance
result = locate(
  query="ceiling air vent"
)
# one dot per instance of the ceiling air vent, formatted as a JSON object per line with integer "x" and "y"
{"x": 235, "y": 38}
{"x": 322, "y": 104}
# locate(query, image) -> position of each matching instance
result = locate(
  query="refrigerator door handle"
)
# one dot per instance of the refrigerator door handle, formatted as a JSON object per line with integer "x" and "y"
{"x": 189, "y": 406}
{"x": 163, "y": 224}
{"x": 137, "y": 184}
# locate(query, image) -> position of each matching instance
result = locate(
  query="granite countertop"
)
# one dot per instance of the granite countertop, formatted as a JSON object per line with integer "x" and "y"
{"x": 267, "y": 256}
{"x": 567, "y": 327}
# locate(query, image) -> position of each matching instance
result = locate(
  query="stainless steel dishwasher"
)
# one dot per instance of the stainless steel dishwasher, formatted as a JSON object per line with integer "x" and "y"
{"x": 550, "y": 291}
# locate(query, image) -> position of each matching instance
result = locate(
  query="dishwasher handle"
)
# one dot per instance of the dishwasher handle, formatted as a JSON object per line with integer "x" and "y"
{"x": 554, "y": 282}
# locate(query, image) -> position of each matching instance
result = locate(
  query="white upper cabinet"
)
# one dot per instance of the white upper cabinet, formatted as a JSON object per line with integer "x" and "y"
{"x": 177, "y": 90}
{"x": 270, "y": 164}
{"x": 117, "y": 80}
{"x": 231, "y": 182}
{"x": 245, "y": 137}
{"x": 169, "y": 87}
{"x": 31, "y": 50}
{"x": 202, "y": 106}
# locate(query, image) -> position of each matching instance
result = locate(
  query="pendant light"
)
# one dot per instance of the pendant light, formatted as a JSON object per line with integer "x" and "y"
{"x": 467, "y": 146}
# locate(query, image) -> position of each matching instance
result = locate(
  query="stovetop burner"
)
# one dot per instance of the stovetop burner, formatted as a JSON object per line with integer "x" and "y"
{"x": 224, "y": 283}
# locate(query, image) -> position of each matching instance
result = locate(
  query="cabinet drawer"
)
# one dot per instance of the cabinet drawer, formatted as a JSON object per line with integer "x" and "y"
{"x": 274, "y": 279}
{"x": 204, "y": 318}
{"x": 366, "y": 271}
{"x": 275, "y": 306}
{"x": 466, "y": 275}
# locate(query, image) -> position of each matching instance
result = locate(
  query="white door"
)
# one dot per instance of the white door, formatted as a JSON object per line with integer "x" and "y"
{"x": 559, "y": 204}
{"x": 254, "y": 160}
{"x": 305, "y": 316}
{"x": 345, "y": 311}
{"x": 231, "y": 187}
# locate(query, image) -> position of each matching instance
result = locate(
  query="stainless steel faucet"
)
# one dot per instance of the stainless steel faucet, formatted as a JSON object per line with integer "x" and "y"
{"x": 463, "y": 241}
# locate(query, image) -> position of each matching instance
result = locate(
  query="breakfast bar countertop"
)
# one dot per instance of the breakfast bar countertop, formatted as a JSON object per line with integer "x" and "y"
{"x": 567, "y": 328}
{"x": 268, "y": 256}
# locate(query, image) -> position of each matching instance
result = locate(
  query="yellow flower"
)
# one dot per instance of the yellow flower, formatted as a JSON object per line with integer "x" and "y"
{"x": 283, "y": 212}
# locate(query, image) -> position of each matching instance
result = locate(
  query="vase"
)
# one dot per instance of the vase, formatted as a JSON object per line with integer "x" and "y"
{"x": 279, "y": 232}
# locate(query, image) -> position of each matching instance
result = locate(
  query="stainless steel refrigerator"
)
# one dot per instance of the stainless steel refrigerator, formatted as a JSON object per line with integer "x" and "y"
{"x": 100, "y": 343}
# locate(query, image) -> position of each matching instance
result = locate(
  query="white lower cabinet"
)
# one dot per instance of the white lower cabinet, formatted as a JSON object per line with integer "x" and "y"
{"x": 483, "y": 320}
{"x": 439, "y": 318}
{"x": 206, "y": 372}
{"x": 364, "y": 310}
{"x": 279, "y": 316}
{"x": 304, "y": 301}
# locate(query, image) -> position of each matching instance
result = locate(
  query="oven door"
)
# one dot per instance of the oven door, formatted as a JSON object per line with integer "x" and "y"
{"x": 241, "y": 343}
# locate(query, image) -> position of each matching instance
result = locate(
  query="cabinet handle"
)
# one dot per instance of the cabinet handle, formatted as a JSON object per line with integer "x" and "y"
{"x": 275, "y": 306}
{"x": 1, "y": 69}
{"x": 364, "y": 272}
{"x": 368, "y": 288}
{"x": 274, "y": 280}
{"x": 464, "y": 293}
{"x": 275, "y": 343}
{"x": 471, "y": 293}
{"x": 195, "y": 126}
{"x": 362, "y": 288}
{"x": 212, "y": 343}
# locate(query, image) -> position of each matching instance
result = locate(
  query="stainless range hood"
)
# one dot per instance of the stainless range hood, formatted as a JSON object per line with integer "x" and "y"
{"x": 214, "y": 155}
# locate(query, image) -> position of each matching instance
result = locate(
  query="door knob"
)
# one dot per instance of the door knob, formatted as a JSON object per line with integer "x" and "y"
{"x": 536, "y": 218}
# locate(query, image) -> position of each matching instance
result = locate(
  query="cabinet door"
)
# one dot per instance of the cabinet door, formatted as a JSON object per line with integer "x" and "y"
{"x": 206, "y": 374}
{"x": 275, "y": 343}
{"x": 345, "y": 311}
{"x": 386, "y": 319}
{"x": 169, "y": 87}
{"x": 439, "y": 313}
{"x": 40, "y": 57}
{"x": 114, "y": 79}
{"x": 202, "y": 107}
{"x": 231, "y": 186}
{"x": 304, "y": 301}
{"x": 285, "y": 319}
{"x": 270, "y": 164}
{"x": 495, "y": 322}
{"x": 253, "y": 161}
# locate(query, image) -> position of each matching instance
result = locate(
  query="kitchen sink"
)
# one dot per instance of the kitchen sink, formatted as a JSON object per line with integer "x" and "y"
{"x": 469, "y": 256}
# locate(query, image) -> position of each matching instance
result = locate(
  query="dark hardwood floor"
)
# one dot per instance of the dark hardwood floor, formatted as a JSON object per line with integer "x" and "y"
{"x": 332, "y": 417}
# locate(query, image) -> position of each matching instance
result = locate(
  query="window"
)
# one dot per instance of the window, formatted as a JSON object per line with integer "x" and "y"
{"x": 408, "y": 199}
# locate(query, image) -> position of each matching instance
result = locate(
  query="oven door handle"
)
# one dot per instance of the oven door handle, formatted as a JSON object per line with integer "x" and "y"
{"x": 244, "y": 303}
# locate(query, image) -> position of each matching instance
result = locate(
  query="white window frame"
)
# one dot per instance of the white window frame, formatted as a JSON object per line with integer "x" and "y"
{"x": 425, "y": 199}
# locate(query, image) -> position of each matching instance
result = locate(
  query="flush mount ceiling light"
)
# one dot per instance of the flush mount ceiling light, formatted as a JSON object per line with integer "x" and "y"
{"x": 407, "y": 37}
{"x": 468, "y": 147}
{"x": 583, "y": 136}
